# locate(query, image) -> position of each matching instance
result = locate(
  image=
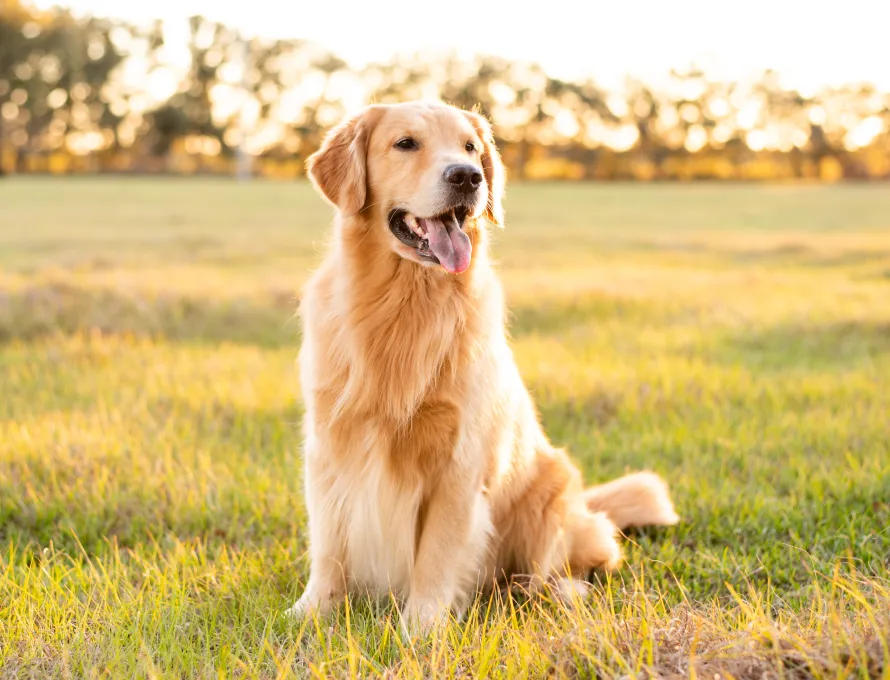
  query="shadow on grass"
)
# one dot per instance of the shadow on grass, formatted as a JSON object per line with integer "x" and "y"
{"x": 218, "y": 472}
{"x": 802, "y": 255}
{"x": 595, "y": 408}
{"x": 267, "y": 321}
{"x": 807, "y": 346}
{"x": 556, "y": 315}
{"x": 46, "y": 310}
{"x": 792, "y": 253}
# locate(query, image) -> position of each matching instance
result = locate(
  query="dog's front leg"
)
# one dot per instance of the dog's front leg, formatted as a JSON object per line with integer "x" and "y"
{"x": 327, "y": 583}
{"x": 327, "y": 579}
{"x": 452, "y": 544}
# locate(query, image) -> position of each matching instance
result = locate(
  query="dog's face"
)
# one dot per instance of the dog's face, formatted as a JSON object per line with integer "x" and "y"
{"x": 423, "y": 172}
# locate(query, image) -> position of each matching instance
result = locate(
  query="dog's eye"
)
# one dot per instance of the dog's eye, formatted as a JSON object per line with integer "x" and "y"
{"x": 407, "y": 144}
{"x": 470, "y": 147}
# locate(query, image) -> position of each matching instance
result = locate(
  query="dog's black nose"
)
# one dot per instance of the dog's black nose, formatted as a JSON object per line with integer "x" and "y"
{"x": 464, "y": 178}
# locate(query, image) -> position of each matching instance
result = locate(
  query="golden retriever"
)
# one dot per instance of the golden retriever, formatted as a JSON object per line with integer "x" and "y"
{"x": 427, "y": 473}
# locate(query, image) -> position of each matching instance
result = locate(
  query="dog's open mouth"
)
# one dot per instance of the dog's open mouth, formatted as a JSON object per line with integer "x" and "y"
{"x": 439, "y": 239}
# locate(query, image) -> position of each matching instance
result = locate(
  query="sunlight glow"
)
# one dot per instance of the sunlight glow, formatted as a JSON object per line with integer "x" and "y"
{"x": 675, "y": 41}
{"x": 817, "y": 115}
{"x": 617, "y": 105}
{"x": 162, "y": 83}
{"x": 864, "y": 133}
{"x": 666, "y": 35}
{"x": 565, "y": 124}
{"x": 722, "y": 133}
{"x": 747, "y": 117}
{"x": 502, "y": 94}
{"x": 696, "y": 138}
{"x": 623, "y": 138}
{"x": 756, "y": 140}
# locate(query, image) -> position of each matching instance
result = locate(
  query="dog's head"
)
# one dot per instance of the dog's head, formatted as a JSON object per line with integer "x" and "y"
{"x": 423, "y": 172}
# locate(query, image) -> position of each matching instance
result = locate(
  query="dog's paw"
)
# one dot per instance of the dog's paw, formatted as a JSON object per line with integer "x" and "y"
{"x": 569, "y": 590}
{"x": 299, "y": 610}
{"x": 421, "y": 616}
{"x": 308, "y": 605}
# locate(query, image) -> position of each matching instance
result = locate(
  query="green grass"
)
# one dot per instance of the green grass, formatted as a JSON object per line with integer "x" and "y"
{"x": 736, "y": 339}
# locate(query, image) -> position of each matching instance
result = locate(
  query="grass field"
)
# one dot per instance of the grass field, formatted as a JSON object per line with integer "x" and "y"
{"x": 736, "y": 339}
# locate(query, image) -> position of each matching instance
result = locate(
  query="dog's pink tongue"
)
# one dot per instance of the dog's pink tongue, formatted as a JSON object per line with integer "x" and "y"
{"x": 449, "y": 243}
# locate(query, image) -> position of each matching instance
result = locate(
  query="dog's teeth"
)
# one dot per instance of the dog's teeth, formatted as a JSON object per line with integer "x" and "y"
{"x": 411, "y": 221}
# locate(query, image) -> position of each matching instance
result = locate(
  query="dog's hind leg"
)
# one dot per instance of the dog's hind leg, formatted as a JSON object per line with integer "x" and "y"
{"x": 593, "y": 543}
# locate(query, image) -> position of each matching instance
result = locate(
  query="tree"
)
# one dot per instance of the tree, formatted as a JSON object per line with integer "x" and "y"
{"x": 14, "y": 46}
{"x": 190, "y": 110}
{"x": 63, "y": 95}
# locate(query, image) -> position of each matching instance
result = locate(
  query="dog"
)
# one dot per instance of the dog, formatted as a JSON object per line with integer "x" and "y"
{"x": 427, "y": 474}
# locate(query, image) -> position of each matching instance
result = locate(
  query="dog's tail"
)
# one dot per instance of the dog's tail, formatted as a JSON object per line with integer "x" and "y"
{"x": 635, "y": 500}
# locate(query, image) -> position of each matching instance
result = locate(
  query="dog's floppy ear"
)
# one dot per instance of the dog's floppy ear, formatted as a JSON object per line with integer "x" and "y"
{"x": 339, "y": 168}
{"x": 493, "y": 168}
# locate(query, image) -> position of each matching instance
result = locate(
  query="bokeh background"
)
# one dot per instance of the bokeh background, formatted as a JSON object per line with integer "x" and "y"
{"x": 723, "y": 90}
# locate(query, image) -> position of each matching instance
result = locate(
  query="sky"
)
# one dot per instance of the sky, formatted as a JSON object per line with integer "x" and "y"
{"x": 811, "y": 43}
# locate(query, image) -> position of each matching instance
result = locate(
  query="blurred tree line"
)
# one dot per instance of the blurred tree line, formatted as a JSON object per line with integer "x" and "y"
{"x": 98, "y": 95}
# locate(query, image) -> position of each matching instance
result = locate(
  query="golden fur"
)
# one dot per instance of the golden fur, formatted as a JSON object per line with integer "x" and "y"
{"x": 427, "y": 474}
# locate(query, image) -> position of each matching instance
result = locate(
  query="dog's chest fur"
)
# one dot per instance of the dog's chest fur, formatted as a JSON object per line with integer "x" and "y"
{"x": 392, "y": 350}
{"x": 383, "y": 394}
